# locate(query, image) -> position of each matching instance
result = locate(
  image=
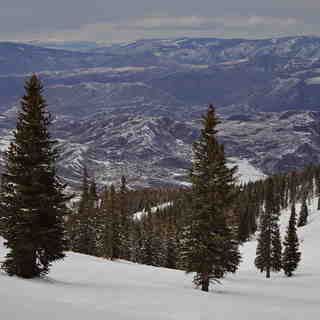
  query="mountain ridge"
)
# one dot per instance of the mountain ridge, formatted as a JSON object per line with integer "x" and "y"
{"x": 251, "y": 82}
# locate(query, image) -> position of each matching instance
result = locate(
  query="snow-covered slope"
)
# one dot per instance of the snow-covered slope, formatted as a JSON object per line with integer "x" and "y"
{"x": 246, "y": 171}
{"x": 84, "y": 287}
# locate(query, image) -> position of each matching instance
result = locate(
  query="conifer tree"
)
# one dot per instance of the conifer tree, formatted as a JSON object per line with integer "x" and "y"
{"x": 303, "y": 217}
{"x": 293, "y": 185}
{"x": 276, "y": 252}
{"x": 105, "y": 227}
{"x": 171, "y": 251}
{"x": 291, "y": 255}
{"x": 152, "y": 246}
{"x": 263, "y": 252}
{"x": 33, "y": 201}
{"x": 115, "y": 224}
{"x": 146, "y": 254}
{"x": 84, "y": 233}
{"x": 317, "y": 183}
{"x": 248, "y": 210}
{"x": 209, "y": 246}
{"x": 76, "y": 226}
{"x": 268, "y": 256}
{"x": 125, "y": 220}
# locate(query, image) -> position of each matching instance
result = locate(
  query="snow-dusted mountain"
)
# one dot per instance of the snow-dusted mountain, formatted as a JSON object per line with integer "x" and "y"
{"x": 82, "y": 287}
{"x": 134, "y": 108}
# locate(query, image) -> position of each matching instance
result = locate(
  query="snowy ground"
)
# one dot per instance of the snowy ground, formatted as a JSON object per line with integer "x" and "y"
{"x": 84, "y": 287}
{"x": 246, "y": 171}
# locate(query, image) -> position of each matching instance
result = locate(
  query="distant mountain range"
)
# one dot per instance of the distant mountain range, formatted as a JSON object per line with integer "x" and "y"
{"x": 134, "y": 108}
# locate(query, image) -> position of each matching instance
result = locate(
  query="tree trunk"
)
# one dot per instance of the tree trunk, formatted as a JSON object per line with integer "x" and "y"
{"x": 205, "y": 282}
{"x": 268, "y": 273}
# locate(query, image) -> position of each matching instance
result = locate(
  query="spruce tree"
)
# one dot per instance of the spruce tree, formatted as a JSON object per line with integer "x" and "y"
{"x": 32, "y": 196}
{"x": 268, "y": 254}
{"x": 75, "y": 221}
{"x": 171, "y": 243}
{"x": 276, "y": 252}
{"x": 209, "y": 246}
{"x": 263, "y": 252}
{"x": 303, "y": 217}
{"x": 105, "y": 235}
{"x": 317, "y": 183}
{"x": 291, "y": 254}
{"x": 125, "y": 220}
{"x": 84, "y": 223}
{"x": 293, "y": 186}
{"x": 115, "y": 224}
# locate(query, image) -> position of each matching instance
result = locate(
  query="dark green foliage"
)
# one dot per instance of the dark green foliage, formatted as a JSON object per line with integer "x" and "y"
{"x": 125, "y": 221}
{"x": 268, "y": 256}
{"x": 291, "y": 255}
{"x": 293, "y": 186}
{"x": 208, "y": 245}
{"x": 263, "y": 253}
{"x": 109, "y": 229}
{"x": 104, "y": 232}
{"x": 152, "y": 249}
{"x": 248, "y": 208}
{"x": 303, "y": 217}
{"x": 317, "y": 183}
{"x": 171, "y": 246}
{"x": 83, "y": 224}
{"x": 115, "y": 224}
{"x": 276, "y": 253}
{"x": 146, "y": 254}
{"x": 32, "y": 196}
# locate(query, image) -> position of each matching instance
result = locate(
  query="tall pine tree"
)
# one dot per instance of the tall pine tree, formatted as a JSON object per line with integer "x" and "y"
{"x": 125, "y": 220}
{"x": 291, "y": 254}
{"x": 32, "y": 197}
{"x": 303, "y": 217}
{"x": 209, "y": 246}
{"x": 268, "y": 256}
{"x": 83, "y": 223}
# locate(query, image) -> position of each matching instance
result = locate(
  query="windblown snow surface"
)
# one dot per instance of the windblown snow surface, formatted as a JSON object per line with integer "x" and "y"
{"x": 88, "y": 288}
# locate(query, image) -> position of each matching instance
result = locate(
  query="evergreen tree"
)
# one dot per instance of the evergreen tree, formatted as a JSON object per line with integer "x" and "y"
{"x": 291, "y": 254}
{"x": 268, "y": 256}
{"x": 84, "y": 224}
{"x": 115, "y": 224}
{"x": 125, "y": 220}
{"x": 209, "y": 245}
{"x": 263, "y": 252}
{"x": 152, "y": 247}
{"x": 76, "y": 225}
{"x": 32, "y": 197}
{"x": 105, "y": 227}
{"x": 293, "y": 186}
{"x": 303, "y": 217}
{"x": 248, "y": 209}
{"x": 276, "y": 252}
{"x": 171, "y": 251}
{"x": 317, "y": 183}
{"x": 145, "y": 254}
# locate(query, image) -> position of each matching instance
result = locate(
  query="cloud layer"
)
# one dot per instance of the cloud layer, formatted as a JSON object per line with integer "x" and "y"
{"x": 125, "y": 20}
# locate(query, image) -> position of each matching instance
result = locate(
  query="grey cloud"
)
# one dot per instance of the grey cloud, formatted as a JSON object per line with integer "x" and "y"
{"x": 120, "y": 20}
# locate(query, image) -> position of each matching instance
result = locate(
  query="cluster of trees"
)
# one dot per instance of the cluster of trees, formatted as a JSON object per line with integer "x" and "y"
{"x": 265, "y": 201}
{"x": 192, "y": 231}
{"x": 38, "y": 226}
{"x": 198, "y": 229}
{"x": 106, "y": 224}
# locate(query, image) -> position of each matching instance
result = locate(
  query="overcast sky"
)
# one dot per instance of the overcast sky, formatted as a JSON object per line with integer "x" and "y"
{"x": 126, "y": 20}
